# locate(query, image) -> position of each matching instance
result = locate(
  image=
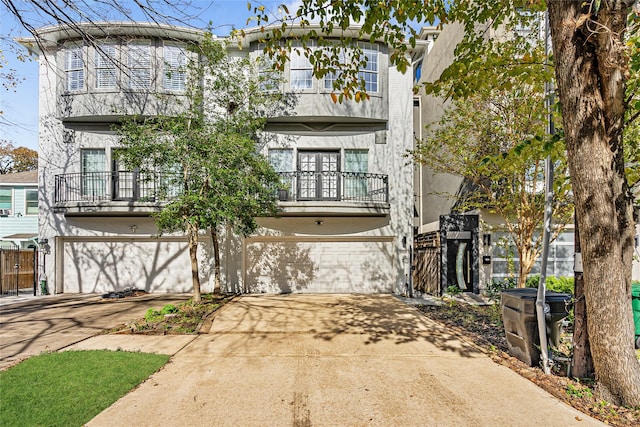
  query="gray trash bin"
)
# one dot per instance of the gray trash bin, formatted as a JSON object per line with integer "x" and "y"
{"x": 521, "y": 325}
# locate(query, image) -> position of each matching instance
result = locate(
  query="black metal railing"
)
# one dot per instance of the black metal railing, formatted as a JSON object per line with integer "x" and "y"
{"x": 116, "y": 186}
{"x": 334, "y": 186}
{"x": 162, "y": 187}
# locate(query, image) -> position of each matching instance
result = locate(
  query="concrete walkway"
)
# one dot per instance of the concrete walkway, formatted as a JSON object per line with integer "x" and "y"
{"x": 31, "y": 325}
{"x": 330, "y": 360}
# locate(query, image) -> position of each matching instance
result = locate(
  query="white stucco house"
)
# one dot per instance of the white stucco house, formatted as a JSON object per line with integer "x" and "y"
{"x": 345, "y": 225}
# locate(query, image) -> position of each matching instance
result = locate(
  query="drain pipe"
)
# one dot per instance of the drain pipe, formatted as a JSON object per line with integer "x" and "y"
{"x": 541, "y": 307}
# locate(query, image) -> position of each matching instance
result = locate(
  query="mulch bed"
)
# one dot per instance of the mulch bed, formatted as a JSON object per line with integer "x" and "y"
{"x": 482, "y": 326}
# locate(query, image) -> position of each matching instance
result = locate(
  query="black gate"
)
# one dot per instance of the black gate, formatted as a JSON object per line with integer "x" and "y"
{"x": 18, "y": 270}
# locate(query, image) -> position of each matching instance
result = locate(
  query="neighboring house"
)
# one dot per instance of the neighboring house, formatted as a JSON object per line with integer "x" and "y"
{"x": 345, "y": 222}
{"x": 19, "y": 209}
{"x": 472, "y": 250}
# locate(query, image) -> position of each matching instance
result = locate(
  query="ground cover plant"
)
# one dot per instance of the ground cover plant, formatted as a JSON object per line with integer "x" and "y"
{"x": 70, "y": 388}
{"x": 482, "y": 325}
{"x": 185, "y": 318}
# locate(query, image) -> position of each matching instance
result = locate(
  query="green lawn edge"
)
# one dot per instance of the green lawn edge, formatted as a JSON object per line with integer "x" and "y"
{"x": 70, "y": 388}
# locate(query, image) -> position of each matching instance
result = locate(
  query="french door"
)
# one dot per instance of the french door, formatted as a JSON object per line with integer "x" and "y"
{"x": 319, "y": 175}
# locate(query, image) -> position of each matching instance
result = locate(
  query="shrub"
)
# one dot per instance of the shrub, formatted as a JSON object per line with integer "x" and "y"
{"x": 556, "y": 284}
{"x": 496, "y": 286}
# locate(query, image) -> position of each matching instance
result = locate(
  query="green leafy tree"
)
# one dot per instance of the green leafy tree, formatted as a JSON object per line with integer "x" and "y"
{"x": 592, "y": 67}
{"x": 495, "y": 140}
{"x": 214, "y": 174}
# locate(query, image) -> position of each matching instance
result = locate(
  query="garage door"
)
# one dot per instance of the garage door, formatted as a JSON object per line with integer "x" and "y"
{"x": 103, "y": 266}
{"x": 320, "y": 267}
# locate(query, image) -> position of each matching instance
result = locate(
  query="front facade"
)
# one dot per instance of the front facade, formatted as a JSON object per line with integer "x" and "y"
{"x": 19, "y": 209}
{"x": 345, "y": 220}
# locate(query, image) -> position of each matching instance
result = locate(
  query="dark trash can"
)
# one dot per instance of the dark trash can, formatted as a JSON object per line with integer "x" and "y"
{"x": 635, "y": 304}
{"x": 521, "y": 324}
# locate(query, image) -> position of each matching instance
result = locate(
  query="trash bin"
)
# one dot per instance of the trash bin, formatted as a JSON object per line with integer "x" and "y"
{"x": 521, "y": 324}
{"x": 635, "y": 304}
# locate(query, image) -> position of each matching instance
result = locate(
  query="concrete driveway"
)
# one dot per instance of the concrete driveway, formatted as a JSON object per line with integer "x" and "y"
{"x": 333, "y": 360}
{"x": 49, "y": 323}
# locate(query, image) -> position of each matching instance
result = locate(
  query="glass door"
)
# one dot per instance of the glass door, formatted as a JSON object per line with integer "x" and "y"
{"x": 319, "y": 173}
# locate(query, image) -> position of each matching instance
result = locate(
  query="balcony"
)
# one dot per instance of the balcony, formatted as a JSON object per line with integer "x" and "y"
{"x": 114, "y": 192}
{"x": 302, "y": 193}
{"x": 333, "y": 193}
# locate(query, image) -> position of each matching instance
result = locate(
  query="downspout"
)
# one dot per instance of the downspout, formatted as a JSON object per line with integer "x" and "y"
{"x": 548, "y": 206}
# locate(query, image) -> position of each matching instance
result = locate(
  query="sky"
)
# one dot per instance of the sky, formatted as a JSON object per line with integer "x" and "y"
{"x": 19, "y": 121}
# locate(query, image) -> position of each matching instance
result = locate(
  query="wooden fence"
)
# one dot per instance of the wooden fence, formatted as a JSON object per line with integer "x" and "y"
{"x": 426, "y": 263}
{"x": 18, "y": 270}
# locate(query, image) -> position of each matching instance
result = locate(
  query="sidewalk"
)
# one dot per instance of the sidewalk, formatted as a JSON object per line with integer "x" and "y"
{"x": 31, "y": 325}
{"x": 329, "y": 360}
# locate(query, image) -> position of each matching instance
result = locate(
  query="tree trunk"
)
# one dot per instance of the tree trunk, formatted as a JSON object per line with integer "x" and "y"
{"x": 193, "y": 255}
{"x": 590, "y": 79}
{"x": 582, "y": 362}
{"x": 526, "y": 260}
{"x": 216, "y": 259}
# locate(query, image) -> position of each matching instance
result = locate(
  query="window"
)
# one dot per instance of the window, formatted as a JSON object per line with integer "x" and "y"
{"x": 31, "y": 201}
{"x": 74, "y": 68}
{"x": 370, "y": 71}
{"x": 505, "y": 257}
{"x": 330, "y": 78}
{"x": 300, "y": 70}
{"x": 139, "y": 66}
{"x": 368, "y": 74}
{"x": 93, "y": 164}
{"x": 175, "y": 68}
{"x": 281, "y": 159}
{"x": 268, "y": 77}
{"x": 106, "y": 66}
{"x": 6, "y": 197}
{"x": 355, "y": 184}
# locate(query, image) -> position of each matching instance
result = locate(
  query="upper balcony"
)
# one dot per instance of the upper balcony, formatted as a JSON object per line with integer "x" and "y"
{"x": 307, "y": 193}
{"x": 304, "y": 193}
{"x": 115, "y": 193}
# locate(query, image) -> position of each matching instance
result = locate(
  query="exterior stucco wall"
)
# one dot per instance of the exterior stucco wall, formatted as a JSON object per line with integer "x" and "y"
{"x": 105, "y": 250}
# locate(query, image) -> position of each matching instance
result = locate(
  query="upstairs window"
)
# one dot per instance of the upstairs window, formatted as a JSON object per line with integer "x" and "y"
{"x": 300, "y": 70}
{"x": 269, "y": 77}
{"x": 330, "y": 78}
{"x": 105, "y": 59}
{"x": 6, "y": 196}
{"x": 175, "y": 68}
{"x": 139, "y": 66}
{"x": 74, "y": 68}
{"x": 369, "y": 73}
{"x": 31, "y": 202}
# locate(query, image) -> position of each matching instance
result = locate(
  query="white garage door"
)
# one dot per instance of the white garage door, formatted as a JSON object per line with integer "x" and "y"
{"x": 320, "y": 267}
{"x": 104, "y": 266}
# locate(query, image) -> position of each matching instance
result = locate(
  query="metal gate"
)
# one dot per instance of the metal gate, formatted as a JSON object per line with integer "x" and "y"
{"x": 18, "y": 270}
{"x": 426, "y": 263}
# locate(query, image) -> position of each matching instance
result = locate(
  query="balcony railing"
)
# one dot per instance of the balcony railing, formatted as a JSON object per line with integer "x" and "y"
{"x": 116, "y": 186}
{"x": 334, "y": 186}
{"x": 161, "y": 187}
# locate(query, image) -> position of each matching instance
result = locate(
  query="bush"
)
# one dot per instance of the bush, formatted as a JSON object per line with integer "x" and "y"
{"x": 496, "y": 286}
{"x": 556, "y": 284}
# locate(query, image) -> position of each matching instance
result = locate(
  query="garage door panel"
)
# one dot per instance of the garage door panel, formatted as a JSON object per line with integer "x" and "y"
{"x": 104, "y": 266}
{"x": 319, "y": 267}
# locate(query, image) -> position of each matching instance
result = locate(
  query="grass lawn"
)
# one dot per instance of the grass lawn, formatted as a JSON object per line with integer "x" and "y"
{"x": 70, "y": 388}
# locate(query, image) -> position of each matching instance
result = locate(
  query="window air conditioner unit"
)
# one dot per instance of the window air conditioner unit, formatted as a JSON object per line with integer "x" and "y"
{"x": 5, "y": 212}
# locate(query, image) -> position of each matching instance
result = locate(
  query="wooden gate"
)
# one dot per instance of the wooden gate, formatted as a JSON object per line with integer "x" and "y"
{"x": 18, "y": 270}
{"x": 426, "y": 263}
